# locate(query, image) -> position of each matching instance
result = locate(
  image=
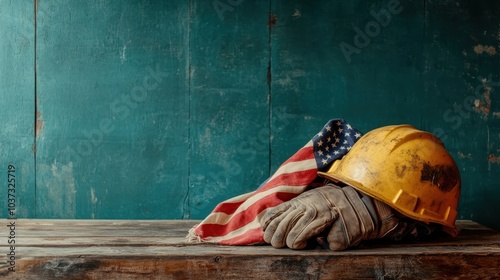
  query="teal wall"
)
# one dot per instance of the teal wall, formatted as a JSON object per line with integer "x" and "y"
{"x": 161, "y": 109}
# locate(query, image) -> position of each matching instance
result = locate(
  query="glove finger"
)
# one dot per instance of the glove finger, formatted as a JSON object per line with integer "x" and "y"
{"x": 337, "y": 238}
{"x": 294, "y": 239}
{"x": 285, "y": 225}
{"x": 310, "y": 226}
{"x": 271, "y": 228}
{"x": 273, "y": 213}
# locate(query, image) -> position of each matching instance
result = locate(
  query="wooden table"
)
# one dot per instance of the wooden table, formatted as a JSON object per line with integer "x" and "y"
{"x": 145, "y": 249}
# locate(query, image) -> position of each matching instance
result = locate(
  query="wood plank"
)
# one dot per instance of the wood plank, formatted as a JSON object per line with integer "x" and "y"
{"x": 17, "y": 102}
{"x": 194, "y": 249}
{"x": 120, "y": 253}
{"x": 68, "y": 228}
{"x": 229, "y": 101}
{"x": 117, "y": 147}
{"x": 37, "y": 232}
{"x": 272, "y": 267}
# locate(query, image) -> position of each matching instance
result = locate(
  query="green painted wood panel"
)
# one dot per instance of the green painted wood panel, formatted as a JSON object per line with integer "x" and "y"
{"x": 112, "y": 92}
{"x": 434, "y": 65}
{"x": 17, "y": 104}
{"x": 229, "y": 122}
{"x": 161, "y": 109}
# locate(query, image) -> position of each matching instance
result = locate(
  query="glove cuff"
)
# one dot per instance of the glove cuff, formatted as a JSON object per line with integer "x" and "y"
{"x": 388, "y": 221}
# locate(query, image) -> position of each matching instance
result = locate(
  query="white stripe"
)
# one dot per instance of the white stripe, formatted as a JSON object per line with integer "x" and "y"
{"x": 295, "y": 166}
{"x": 240, "y": 231}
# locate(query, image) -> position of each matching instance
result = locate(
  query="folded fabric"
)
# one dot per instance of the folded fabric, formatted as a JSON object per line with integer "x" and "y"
{"x": 236, "y": 221}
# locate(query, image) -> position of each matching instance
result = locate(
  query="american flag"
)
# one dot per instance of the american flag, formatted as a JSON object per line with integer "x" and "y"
{"x": 236, "y": 221}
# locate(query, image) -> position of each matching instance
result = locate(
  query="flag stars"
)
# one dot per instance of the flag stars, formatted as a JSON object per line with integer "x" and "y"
{"x": 333, "y": 141}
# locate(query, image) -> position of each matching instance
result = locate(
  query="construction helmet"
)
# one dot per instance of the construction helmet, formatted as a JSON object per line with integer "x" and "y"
{"x": 408, "y": 169}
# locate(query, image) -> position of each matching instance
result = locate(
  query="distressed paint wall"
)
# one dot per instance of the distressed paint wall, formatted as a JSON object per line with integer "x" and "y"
{"x": 16, "y": 96}
{"x": 161, "y": 109}
{"x": 117, "y": 146}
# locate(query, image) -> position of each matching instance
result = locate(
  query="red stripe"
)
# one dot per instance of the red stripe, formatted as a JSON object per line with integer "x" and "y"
{"x": 298, "y": 178}
{"x": 229, "y": 207}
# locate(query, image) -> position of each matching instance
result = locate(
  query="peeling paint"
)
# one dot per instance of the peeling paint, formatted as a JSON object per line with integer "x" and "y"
{"x": 272, "y": 21}
{"x": 462, "y": 155}
{"x": 493, "y": 158}
{"x": 123, "y": 56}
{"x": 296, "y": 13}
{"x": 480, "y": 49}
{"x": 484, "y": 105}
{"x": 93, "y": 198}
{"x": 39, "y": 124}
{"x": 57, "y": 190}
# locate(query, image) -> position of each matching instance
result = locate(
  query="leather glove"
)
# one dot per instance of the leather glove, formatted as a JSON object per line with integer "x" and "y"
{"x": 350, "y": 217}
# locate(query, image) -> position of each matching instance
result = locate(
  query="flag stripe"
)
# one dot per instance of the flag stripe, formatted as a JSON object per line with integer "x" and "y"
{"x": 249, "y": 237}
{"x": 296, "y": 178}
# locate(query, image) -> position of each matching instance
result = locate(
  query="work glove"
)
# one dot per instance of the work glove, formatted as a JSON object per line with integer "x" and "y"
{"x": 347, "y": 215}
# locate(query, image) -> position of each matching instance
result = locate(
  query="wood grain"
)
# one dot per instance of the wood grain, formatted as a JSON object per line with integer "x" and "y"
{"x": 233, "y": 88}
{"x": 154, "y": 249}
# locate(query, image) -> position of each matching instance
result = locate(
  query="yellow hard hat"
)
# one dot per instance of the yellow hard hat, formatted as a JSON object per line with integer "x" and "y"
{"x": 408, "y": 169}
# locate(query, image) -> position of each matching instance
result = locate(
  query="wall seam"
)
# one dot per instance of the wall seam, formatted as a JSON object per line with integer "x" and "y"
{"x": 269, "y": 81}
{"x": 35, "y": 87}
{"x": 186, "y": 213}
